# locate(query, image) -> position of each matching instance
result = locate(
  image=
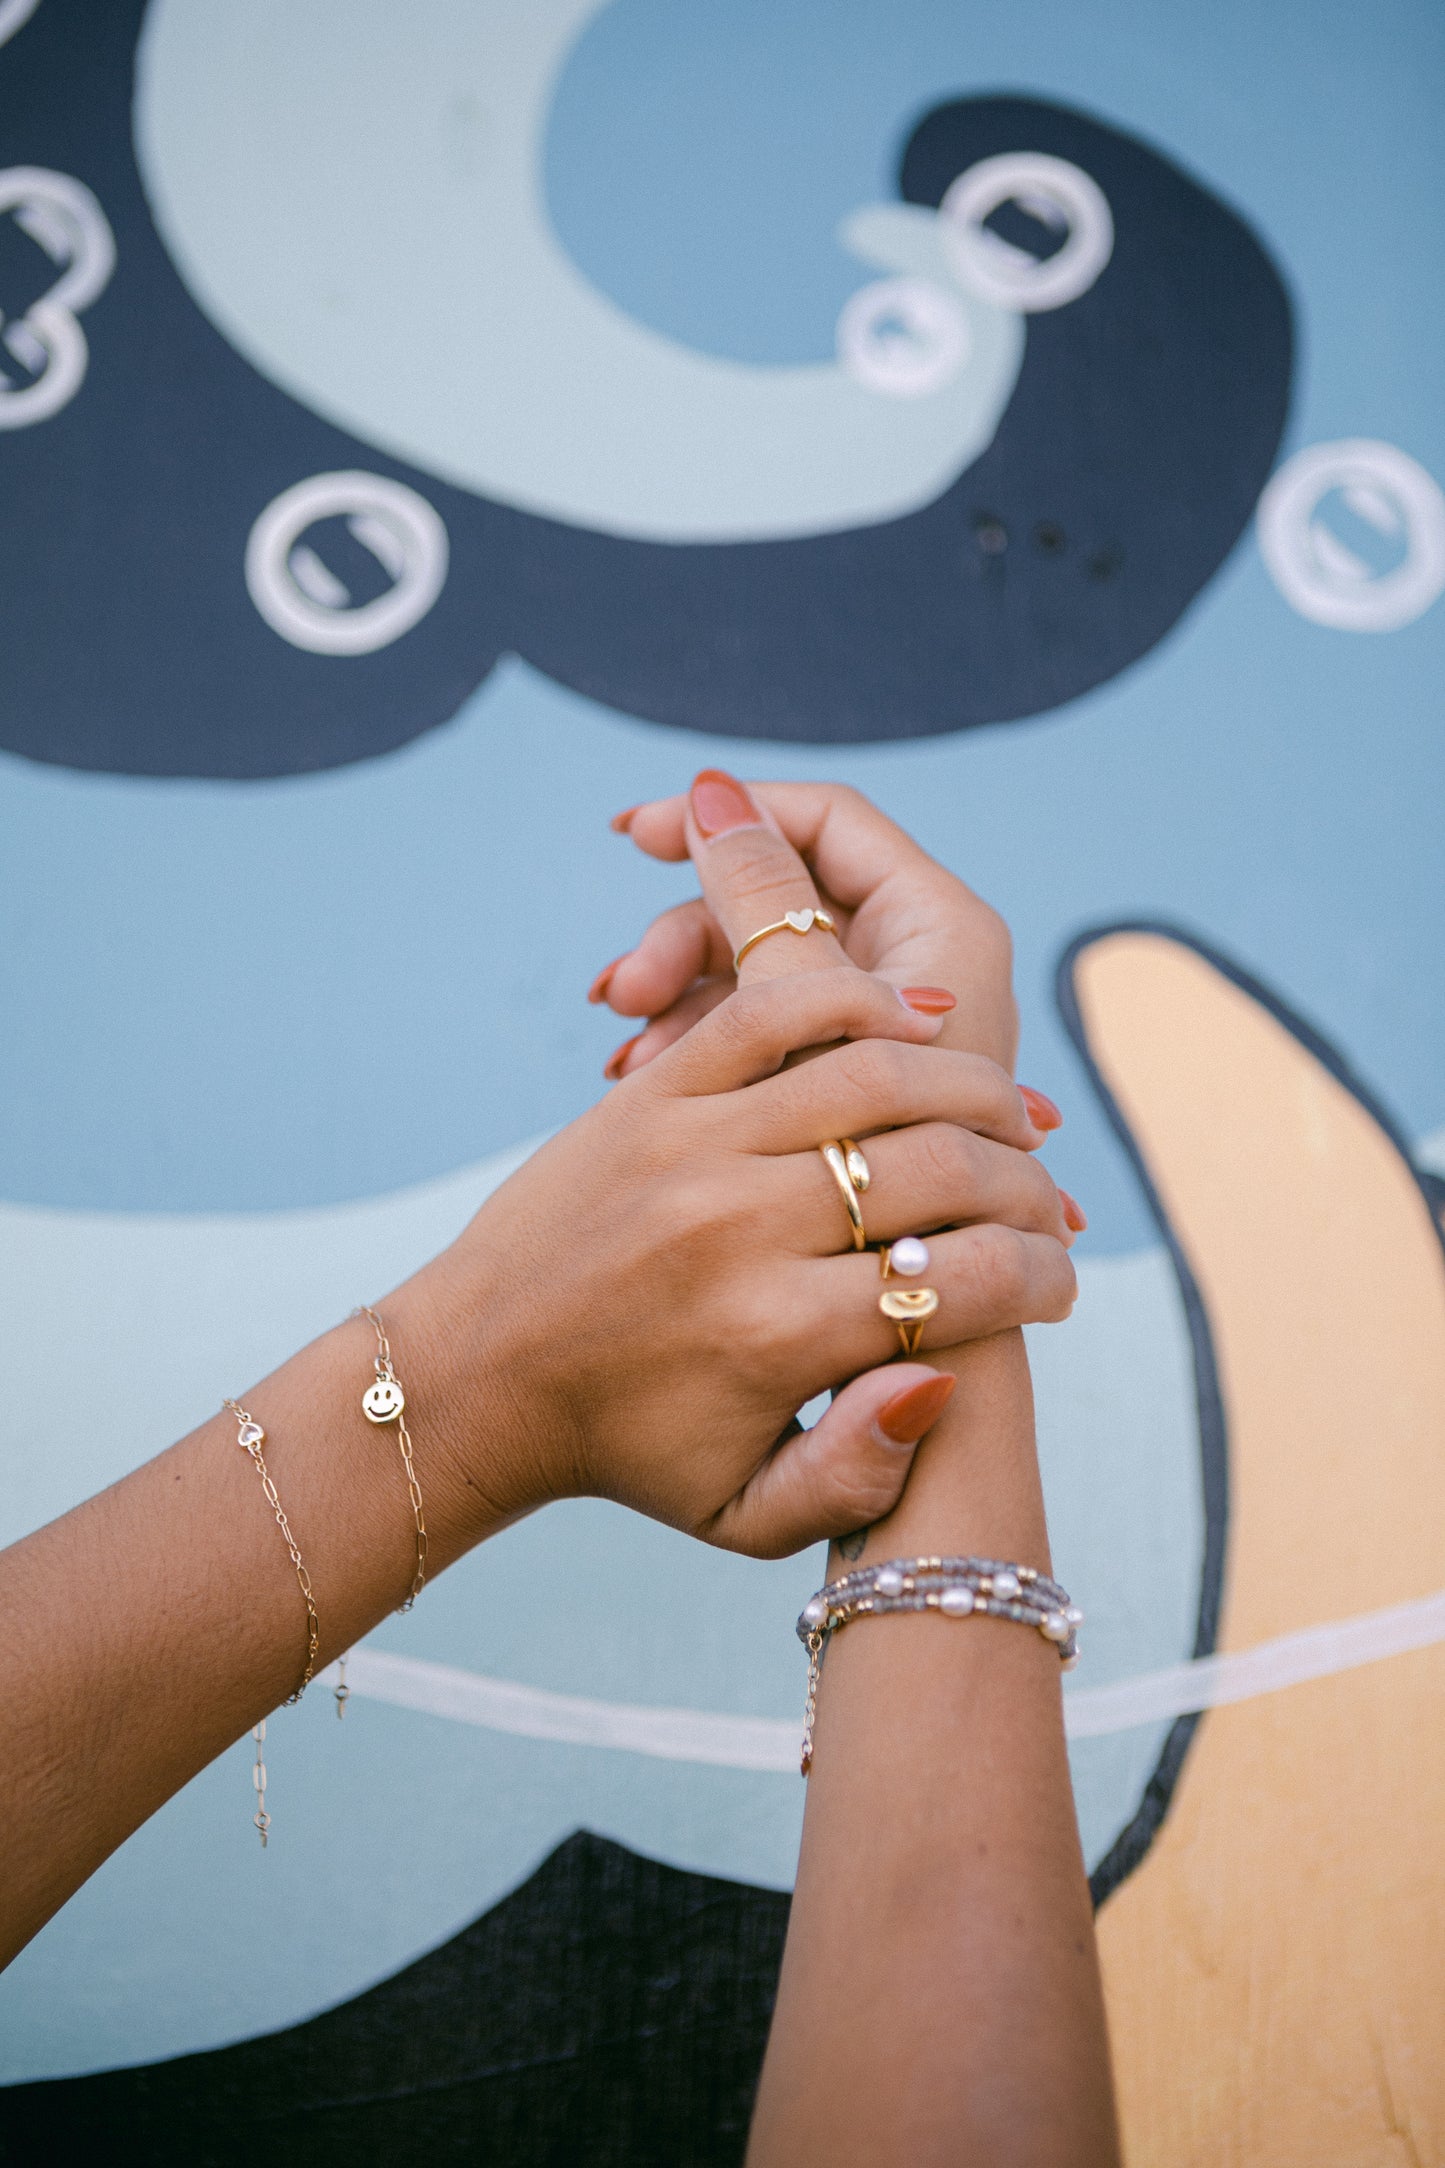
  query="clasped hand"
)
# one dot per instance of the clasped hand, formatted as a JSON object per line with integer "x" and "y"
{"x": 647, "y": 1303}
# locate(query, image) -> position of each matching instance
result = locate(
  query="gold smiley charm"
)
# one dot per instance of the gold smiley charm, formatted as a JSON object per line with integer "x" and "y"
{"x": 909, "y": 1308}
{"x": 383, "y": 1401}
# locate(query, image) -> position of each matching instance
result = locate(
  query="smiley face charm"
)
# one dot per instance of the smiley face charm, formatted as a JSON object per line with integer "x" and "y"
{"x": 383, "y": 1401}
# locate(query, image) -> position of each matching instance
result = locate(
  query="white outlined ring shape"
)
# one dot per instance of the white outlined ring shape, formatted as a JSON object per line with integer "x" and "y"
{"x": 904, "y": 337}
{"x": 14, "y": 13}
{"x": 1057, "y": 193}
{"x": 1316, "y": 572}
{"x": 301, "y": 599}
{"x": 62, "y": 217}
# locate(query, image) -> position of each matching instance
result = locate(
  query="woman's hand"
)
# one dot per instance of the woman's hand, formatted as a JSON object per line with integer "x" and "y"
{"x": 899, "y": 913}
{"x": 642, "y": 1309}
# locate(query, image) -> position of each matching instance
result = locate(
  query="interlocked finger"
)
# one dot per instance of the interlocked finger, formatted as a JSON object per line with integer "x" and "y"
{"x": 757, "y": 887}
{"x": 988, "y": 1278}
{"x": 877, "y": 1084}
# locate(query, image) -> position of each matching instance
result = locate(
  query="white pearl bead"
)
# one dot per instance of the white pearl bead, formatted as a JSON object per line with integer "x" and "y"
{"x": 1056, "y": 1627}
{"x": 1074, "y": 1615}
{"x": 909, "y": 1257}
{"x": 815, "y": 1612}
{"x": 1006, "y": 1584}
{"x": 1070, "y": 1663}
{"x": 957, "y": 1602}
{"x": 889, "y": 1581}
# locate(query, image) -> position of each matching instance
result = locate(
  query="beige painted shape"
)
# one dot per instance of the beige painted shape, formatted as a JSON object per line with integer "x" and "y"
{"x": 1275, "y": 1968}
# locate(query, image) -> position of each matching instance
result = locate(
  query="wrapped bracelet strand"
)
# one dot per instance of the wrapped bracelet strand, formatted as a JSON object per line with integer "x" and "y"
{"x": 953, "y": 1587}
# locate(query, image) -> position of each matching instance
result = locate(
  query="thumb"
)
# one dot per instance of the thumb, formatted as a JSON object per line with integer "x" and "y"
{"x": 752, "y": 877}
{"x": 844, "y": 1473}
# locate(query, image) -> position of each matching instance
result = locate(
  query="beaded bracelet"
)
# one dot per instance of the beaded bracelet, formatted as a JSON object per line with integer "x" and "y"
{"x": 955, "y": 1588}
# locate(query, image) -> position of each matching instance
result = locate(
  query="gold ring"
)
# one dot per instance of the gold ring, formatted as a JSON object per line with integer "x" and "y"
{"x": 790, "y": 922}
{"x": 849, "y": 1170}
{"x": 909, "y": 1308}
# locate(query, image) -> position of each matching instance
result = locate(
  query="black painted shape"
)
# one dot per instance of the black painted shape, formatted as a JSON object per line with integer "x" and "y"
{"x": 612, "y": 2012}
{"x": 1144, "y": 423}
{"x": 1141, "y": 430}
{"x": 1138, "y": 1833}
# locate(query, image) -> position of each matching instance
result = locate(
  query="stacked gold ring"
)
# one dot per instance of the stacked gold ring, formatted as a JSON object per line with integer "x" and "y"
{"x": 849, "y": 1170}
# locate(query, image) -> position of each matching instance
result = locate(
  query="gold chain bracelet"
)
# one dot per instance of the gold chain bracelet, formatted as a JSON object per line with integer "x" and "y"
{"x": 250, "y": 1435}
{"x": 385, "y": 1402}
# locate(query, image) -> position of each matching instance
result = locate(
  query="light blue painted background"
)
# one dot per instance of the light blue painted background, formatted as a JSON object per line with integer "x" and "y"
{"x": 193, "y": 974}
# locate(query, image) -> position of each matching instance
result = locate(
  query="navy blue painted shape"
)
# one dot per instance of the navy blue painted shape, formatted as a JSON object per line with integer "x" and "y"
{"x": 1143, "y": 425}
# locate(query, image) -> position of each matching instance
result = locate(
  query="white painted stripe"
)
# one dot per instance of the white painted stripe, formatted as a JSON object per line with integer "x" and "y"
{"x": 532, "y": 1712}
{"x": 771, "y": 1743}
{"x": 1210, "y": 1681}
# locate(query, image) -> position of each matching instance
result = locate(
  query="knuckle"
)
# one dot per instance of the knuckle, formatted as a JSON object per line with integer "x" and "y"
{"x": 737, "y": 1023}
{"x": 862, "y": 1486}
{"x": 1000, "y": 1264}
{"x": 877, "y": 1069}
{"x": 947, "y": 1160}
{"x": 756, "y": 1329}
{"x": 758, "y": 864}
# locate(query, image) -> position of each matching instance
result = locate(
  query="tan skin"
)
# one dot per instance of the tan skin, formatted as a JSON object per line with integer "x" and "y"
{"x": 940, "y": 1998}
{"x": 636, "y": 1314}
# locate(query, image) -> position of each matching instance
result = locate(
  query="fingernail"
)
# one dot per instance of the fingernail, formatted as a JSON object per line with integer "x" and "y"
{"x": 621, "y": 822}
{"x": 905, "y": 1417}
{"x": 927, "y": 1000}
{"x": 1073, "y": 1212}
{"x": 612, "y": 1067}
{"x": 720, "y": 803}
{"x": 597, "y": 991}
{"x": 1042, "y": 1111}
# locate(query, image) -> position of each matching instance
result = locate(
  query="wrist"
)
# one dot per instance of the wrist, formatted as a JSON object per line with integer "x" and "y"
{"x": 476, "y": 1401}
{"x": 974, "y": 1484}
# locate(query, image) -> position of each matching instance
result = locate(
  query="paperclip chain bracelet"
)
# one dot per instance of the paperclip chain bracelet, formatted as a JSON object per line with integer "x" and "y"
{"x": 250, "y": 1435}
{"x": 953, "y": 1587}
{"x": 385, "y": 1402}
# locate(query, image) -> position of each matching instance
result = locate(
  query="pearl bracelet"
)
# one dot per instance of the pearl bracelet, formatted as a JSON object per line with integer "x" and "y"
{"x": 955, "y": 1588}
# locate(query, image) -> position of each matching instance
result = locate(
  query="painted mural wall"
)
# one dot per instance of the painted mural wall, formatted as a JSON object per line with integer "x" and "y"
{"x": 424, "y": 431}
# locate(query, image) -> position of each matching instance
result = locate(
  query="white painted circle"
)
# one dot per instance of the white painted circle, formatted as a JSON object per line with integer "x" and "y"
{"x": 63, "y": 218}
{"x": 305, "y": 603}
{"x": 1316, "y": 572}
{"x": 1062, "y": 196}
{"x": 904, "y": 337}
{"x": 12, "y": 14}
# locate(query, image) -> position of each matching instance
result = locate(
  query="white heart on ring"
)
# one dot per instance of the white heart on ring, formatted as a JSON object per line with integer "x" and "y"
{"x": 800, "y": 921}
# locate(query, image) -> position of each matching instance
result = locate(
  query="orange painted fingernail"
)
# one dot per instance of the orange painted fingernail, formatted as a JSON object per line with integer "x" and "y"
{"x": 928, "y": 1000}
{"x": 621, "y": 822}
{"x": 905, "y": 1417}
{"x": 1073, "y": 1212}
{"x": 720, "y": 803}
{"x": 1041, "y": 1111}
{"x": 597, "y": 991}
{"x": 612, "y": 1067}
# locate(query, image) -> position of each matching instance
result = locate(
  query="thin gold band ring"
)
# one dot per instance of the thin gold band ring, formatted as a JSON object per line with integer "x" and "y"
{"x": 790, "y": 922}
{"x": 849, "y": 1170}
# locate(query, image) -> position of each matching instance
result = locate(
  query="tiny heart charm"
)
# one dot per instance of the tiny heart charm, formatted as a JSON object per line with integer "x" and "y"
{"x": 800, "y": 921}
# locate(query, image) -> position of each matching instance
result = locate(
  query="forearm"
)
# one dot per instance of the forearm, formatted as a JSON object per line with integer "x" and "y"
{"x": 942, "y": 1918}
{"x": 143, "y": 1633}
